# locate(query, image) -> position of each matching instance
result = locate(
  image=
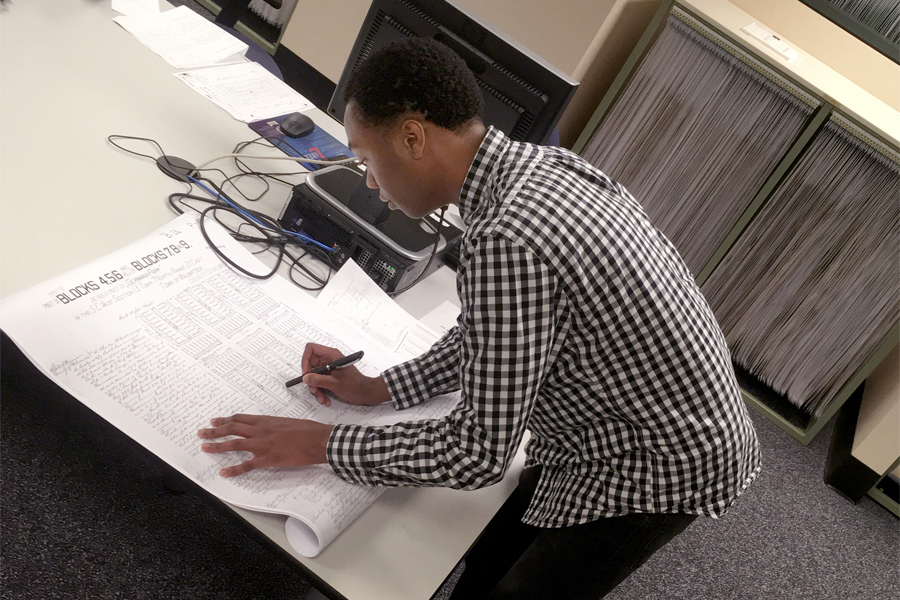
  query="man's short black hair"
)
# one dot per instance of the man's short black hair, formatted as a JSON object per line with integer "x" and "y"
{"x": 417, "y": 75}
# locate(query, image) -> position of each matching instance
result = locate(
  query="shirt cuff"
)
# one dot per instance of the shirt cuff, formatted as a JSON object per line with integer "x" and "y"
{"x": 345, "y": 453}
{"x": 406, "y": 389}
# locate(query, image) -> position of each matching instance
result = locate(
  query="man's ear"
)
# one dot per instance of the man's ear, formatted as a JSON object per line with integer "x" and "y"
{"x": 412, "y": 136}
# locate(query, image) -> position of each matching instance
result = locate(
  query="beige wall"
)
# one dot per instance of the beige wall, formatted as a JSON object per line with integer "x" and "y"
{"x": 559, "y": 32}
{"x": 590, "y": 40}
{"x": 569, "y": 34}
{"x": 603, "y": 60}
{"x": 877, "y": 440}
{"x": 824, "y": 40}
{"x": 322, "y": 33}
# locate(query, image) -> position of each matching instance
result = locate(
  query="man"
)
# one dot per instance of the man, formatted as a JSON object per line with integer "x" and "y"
{"x": 579, "y": 322}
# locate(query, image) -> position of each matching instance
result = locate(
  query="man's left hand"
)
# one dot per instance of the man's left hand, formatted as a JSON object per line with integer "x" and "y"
{"x": 273, "y": 441}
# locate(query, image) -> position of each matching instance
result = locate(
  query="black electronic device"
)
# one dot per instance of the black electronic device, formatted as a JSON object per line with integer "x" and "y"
{"x": 523, "y": 95}
{"x": 176, "y": 168}
{"x": 297, "y": 125}
{"x": 335, "y": 207}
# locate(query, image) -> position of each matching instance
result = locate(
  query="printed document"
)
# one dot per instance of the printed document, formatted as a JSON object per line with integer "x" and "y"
{"x": 160, "y": 337}
{"x": 354, "y": 296}
{"x": 246, "y": 90}
{"x": 183, "y": 38}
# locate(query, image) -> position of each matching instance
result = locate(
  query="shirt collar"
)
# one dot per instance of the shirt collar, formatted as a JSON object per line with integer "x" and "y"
{"x": 477, "y": 179}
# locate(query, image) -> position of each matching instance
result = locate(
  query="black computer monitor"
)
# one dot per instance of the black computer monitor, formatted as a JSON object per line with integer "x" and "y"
{"x": 523, "y": 95}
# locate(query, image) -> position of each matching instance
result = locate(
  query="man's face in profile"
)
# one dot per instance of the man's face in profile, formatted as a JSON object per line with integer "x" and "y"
{"x": 389, "y": 167}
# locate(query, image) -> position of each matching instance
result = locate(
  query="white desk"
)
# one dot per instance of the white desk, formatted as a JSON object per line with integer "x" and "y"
{"x": 70, "y": 78}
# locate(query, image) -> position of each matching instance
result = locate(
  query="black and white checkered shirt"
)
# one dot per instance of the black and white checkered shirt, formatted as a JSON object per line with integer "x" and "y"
{"x": 581, "y": 324}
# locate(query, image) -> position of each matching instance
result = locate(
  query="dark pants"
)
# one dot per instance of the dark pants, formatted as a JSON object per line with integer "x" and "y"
{"x": 514, "y": 560}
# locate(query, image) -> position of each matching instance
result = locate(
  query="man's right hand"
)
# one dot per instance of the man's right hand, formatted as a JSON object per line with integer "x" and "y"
{"x": 348, "y": 384}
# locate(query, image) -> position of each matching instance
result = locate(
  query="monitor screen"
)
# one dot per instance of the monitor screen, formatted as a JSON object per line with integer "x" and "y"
{"x": 523, "y": 95}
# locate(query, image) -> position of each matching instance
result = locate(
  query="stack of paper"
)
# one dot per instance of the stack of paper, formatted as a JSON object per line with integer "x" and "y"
{"x": 352, "y": 295}
{"x": 218, "y": 69}
{"x": 694, "y": 136}
{"x": 183, "y": 38}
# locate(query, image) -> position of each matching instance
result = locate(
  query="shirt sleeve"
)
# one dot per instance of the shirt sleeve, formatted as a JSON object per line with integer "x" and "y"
{"x": 505, "y": 343}
{"x": 434, "y": 373}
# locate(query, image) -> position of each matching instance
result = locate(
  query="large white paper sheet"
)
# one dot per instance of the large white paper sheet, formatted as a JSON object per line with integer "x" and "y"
{"x": 161, "y": 336}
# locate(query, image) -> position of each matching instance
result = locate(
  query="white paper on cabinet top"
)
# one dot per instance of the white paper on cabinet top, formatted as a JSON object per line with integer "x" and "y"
{"x": 183, "y": 38}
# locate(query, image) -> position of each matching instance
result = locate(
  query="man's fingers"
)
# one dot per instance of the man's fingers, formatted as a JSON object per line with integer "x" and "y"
{"x": 234, "y": 446}
{"x": 308, "y": 353}
{"x": 271, "y": 442}
{"x": 316, "y": 355}
{"x": 318, "y": 384}
{"x": 238, "y": 418}
{"x": 208, "y": 434}
{"x": 227, "y": 446}
{"x": 224, "y": 426}
{"x": 315, "y": 380}
{"x": 244, "y": 467}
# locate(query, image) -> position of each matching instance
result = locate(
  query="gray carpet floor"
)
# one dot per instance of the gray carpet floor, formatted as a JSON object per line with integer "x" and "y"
{"x": 85, "y": 513}
{"x": 789, "y": 536}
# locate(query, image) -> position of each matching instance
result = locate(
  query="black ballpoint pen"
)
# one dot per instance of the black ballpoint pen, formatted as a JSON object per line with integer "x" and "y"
{"x": 327, "y": 369}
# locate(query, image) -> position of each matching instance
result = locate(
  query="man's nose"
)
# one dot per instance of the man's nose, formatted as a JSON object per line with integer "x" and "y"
{"x": 370, "y": 180}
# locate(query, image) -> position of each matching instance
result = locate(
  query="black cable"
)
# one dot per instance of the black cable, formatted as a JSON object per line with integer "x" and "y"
{"x": 284, "y": 246}
{"x": 267, "y": 233}
{"x": 113, "y": 140}
{"x": 437, "y": 239}
{"x": 224, "y": 257}
{"x": 141, "y": 139}
{"x": 296, "y": 264}
{"x": 276, "y": 238}
{"x": 241, "y": 166}
{"x": 264, "y": 220}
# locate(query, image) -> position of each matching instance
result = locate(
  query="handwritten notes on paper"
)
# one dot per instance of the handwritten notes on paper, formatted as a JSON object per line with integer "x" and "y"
{"x": 161, "y": 336}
